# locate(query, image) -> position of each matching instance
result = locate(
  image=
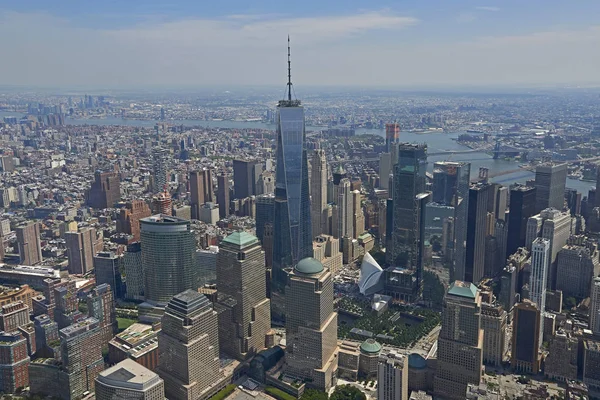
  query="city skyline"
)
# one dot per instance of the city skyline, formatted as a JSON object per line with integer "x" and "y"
{"x": 479, "y": 43}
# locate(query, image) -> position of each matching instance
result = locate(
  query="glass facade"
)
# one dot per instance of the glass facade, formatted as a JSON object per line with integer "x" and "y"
{"x": 293, "y": 231}
{"x": 168, "y": 257}
{"x": 451, "y": 182}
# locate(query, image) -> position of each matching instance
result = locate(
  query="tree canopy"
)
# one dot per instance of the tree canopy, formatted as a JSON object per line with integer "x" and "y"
{"x": 347, "y": 392}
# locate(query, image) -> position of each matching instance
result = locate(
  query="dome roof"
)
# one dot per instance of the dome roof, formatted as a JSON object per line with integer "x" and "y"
{"x": 309, "y": 266}
{"x": 370, "y": 346}
{"x": 416, "y": 361}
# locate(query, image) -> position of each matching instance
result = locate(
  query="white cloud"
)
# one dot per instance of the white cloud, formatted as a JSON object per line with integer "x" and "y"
{"x": 488, "y": 8}
{"x": 368, "y": 48}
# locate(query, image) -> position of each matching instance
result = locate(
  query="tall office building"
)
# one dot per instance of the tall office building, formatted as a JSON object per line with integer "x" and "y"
{"x": 493, "y": 323}
{"x": 550, "y": 182}
{"x": 13, "y": 315}
{"x": 392, "y": 135}
{"x": 129, "y": 380}
{"x": 343, "y": 212}
{"x": 460, "y": 343}
{"x": 392, "y": 377}
{"x": 80, "y": 250}
{"x": 594, "y": 320}
{"x": 132, "y": 264}
{"x": 107, "y": 269}
{"x": 168, "y": 257}
{"x": 265, "y": 214}
{"x": 245, "y": 177}
{"x": 311, "y": 324}
{"x": 81, "y": 352}
{"x": 223, "y": 195}
{"x": 28, "y": 239}
{"x": 292, "y": 231}
{"x": 451, "y": 181}
{"x": 576, "y": 266}
{"x": 245, "y": 311}
{"x": 358, "y": 216}
{"x": 101, "y": 305}
{"x": 409, "y": 181}
{"x": 476, "y": 232}
{"x": 160, "y": 158}
{"x": 14, "y": 362}
{"x": 538, "y": 280}
{"x": 527, "y": 330}
{"x": 318, "y": 193}
{"x": 554, "y": 225}
{"x": 188, "y": 346}
{"x": 105, "y": 190}
{"x": 129, "y": 218}
{"x": 522, "y": 207}
{"x": 385, "y": 169}
{"x": 201, "y": 190}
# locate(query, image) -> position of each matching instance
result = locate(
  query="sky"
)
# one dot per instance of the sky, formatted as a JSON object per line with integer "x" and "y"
{"x": 376, "y": 43}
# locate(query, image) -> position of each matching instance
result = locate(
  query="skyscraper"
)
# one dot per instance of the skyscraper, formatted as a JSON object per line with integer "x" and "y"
{"x": 132, "y": 263}
{"x": 129, "y": 380}
{"x": 409, "y": 181}
{"x": 14, "y": 362}
{"x": 81, "y": 352}
{"x": 245, "y": 316}
{"x": 223, "y": 195}
{"x": 318, "y": 193}
{"x": 311, "y": 324}
{"x": 107, "y": 269}
{"x": 460, "y": 344}
{"x": 476, "y": 232}
{"x": 80, "y": 250}
{"x": 265, "y": 213}
{"x": 392, "y": 135}
{"x": 594, "y": 322}
{"x": 451, "y": 182}
{"x": 160, "y": 169}
{"x": 555, "y": 226}
{"x": 392, "y": 377}
{"x": 201, "y": 190}
{"x": 105, "y": 190}
{"x": 28, "y": 239}
{"x": 522, "y": 206}
{"x": 550, "y": 181}
{"x": 168, "y": 257}
{"x": 343, "y": 213}
{"x": 576, "y": 266}
{"x": 245, "y": 175}
{"x": 292, "y": 230}
{"x": 129, "y": 218}
{"x": 101, "y": 305}
{"x": 526, "y": 335}
{"x": 188, "y": 346}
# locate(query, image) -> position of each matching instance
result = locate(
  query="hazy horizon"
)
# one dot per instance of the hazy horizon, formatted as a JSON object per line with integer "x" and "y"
{"x": 438, "y": 45}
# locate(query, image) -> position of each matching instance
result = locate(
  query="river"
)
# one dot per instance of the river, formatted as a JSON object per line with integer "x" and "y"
{"x": 436, "y": 142}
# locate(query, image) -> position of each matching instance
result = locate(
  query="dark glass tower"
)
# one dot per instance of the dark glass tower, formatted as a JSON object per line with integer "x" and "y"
{"x": 409, "y": 181}
{"x": 451, "y": 181}
{"x": 292, "y": 228}
{"x": 476, "y": 233}
{"x": 522, "y": 206}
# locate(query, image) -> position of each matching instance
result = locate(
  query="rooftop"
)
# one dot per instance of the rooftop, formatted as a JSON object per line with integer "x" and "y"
{"x": 128, "y": 373}
{"x": 309, "y": 266}
{"x": 370, "y": 346}
{"x": 240, "y": 239}
{"x": 463, "y": 289}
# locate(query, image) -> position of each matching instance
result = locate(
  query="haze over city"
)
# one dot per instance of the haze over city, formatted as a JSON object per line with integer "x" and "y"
{"x": 418, "y": 44}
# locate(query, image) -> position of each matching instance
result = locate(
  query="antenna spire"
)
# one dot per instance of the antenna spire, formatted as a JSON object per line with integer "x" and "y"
{"x": 289, "y": 72}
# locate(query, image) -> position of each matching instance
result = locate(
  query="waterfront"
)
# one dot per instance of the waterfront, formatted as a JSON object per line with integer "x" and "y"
{"x": 436, "y": 142}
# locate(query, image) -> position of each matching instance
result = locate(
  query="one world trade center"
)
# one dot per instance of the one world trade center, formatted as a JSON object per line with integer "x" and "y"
{"x": 292, "y": 225}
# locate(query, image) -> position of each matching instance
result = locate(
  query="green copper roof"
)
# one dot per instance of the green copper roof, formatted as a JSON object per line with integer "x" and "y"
{"x": 309, "y": 266}
{"x": 463, "y": 289}
{"x": 370, "y": 346}
{"x": 240, "y": 239}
